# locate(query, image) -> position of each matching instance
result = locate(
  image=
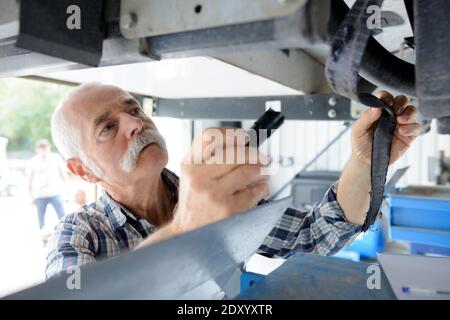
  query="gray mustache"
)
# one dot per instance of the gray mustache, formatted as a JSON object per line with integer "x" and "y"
{"x": 145, "y": 138}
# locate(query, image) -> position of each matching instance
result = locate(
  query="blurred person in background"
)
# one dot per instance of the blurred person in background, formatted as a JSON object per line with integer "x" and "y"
{"x": 46, "y": 178}
{"x": 3, "y": 164}
{"x": 80, "y": 197}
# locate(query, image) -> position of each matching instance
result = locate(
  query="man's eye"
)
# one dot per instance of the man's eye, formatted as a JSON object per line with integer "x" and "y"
{"x": 107, "y": 128}
{"x": 136, "y": 111}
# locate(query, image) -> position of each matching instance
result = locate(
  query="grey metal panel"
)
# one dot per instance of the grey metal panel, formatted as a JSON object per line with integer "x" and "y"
{"x": 43, "y": 29}
{"x": 293, "y": 68}
{"x": 154, "y": 17}
{"x": 313, "y": 107}
{"x": 306, "y": 27}
{"x": 171, "y": 268}
{"x": 234, "y": 44}
{"x": 20, "y": 62}
{"x": 9, "y": 18}
{"x": 250, "y": 36}
{"x": 432, "y": 38}
{"x": 309, "y": 276}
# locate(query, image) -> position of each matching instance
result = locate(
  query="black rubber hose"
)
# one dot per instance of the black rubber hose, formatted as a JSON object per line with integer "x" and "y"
{"x": 379, "y": 66}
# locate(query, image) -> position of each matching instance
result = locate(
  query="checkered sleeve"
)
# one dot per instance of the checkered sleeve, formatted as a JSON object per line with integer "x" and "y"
{"x": 323, "y": 230}
{"x": 72, "y": 244}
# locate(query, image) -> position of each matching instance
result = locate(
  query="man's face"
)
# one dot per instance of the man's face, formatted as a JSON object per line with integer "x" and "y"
{"x": 43, "y": 150}
{"x": 117, "y": 135}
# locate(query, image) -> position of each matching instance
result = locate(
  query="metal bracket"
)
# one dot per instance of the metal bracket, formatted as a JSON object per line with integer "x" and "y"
{"x": 310, "y": 107}
{"x": 44, "y": 29}
{"x": 305, "y": 27}
{"x": 155, "y": 17}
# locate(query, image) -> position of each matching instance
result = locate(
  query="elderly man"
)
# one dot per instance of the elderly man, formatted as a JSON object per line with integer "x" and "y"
{"x": 106, "y": 138}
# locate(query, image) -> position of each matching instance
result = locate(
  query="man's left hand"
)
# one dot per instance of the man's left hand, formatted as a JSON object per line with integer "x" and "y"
{"x": 355, "y": 183}
{"x": 406, "y": 132}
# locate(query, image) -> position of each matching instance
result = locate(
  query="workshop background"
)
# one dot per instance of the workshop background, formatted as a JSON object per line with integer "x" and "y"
{"x": 299, "y": 142}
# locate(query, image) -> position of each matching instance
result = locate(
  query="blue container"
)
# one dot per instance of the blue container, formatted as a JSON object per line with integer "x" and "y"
{"x": 248, "y": 279}
{"x": 421, "y": 215}
{"x": 368, "y": 246}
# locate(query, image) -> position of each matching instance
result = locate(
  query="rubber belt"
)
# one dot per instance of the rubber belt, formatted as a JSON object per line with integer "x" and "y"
{"x": 343, "y": 64}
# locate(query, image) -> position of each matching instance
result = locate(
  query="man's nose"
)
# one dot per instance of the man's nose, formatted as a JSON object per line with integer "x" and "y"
{"x": 133, "y": 126}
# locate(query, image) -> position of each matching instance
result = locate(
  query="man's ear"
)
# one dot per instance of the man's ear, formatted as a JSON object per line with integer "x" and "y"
{"x": 79, "y": 169}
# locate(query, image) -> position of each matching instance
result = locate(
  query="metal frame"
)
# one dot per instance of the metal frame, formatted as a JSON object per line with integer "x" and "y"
{"x": 139, "y": 20}
{"x": 303, "y": 28}
{"x": 43, "y": 29}
{"x": 295, "y": 24}
{"x": 292, "y": 68}
{"x": 271, "y": 38}
{"x": 299, "y": 107}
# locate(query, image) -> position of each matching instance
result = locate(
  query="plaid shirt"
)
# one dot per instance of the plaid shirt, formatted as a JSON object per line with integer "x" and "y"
{"x": 105, "y": 229}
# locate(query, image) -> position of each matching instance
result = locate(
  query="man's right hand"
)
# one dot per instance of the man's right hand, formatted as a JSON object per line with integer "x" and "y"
{"x": 214, "y": 185}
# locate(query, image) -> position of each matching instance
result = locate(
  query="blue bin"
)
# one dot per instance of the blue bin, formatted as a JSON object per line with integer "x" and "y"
{"x": 421, "y": 215}
{"x": 248, "y": 279}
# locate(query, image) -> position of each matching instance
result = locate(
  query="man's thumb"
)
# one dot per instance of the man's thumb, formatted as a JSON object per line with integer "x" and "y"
{"x": 366, "y": 121}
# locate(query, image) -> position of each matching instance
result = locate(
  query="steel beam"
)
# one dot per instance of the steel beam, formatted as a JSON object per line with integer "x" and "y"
{"x": 155, "y": 17}
{"x": 313, "y": 107}
{"x": 307, "y": 27}
{"x": 20, "y": 62}
{"x": 44, "y": 28}
{"x": 292, "y": 68}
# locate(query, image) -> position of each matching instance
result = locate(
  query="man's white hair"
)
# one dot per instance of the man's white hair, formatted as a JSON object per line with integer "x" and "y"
{"x": 66, "y": 136}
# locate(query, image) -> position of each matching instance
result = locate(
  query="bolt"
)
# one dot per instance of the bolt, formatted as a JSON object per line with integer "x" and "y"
{"x": 332, "y": 113}
{"x": 332, "y": 101}
{"x": 128, "y": 20}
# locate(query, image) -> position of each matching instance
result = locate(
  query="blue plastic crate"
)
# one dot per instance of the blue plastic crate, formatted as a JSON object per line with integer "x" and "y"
{"x": 421, "y": 215}
{"x": 248, "y": 279}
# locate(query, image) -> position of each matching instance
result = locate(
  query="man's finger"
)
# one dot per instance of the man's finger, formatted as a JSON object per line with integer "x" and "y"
{"x": 408, "y": 115}
{"x": 227, "y": 160}
{"x": 242, "y": 177}
{"x": 386, "y": 97}
{"x": 410, "y": 130}
{"x": 371, "y": 115}
{"x": 400, "y": 103}
{"x": 249, "y": 197}
{"x": 238, "y": 155}
{"x": 210, "y": 140}
{"x": 366, "y": 121}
